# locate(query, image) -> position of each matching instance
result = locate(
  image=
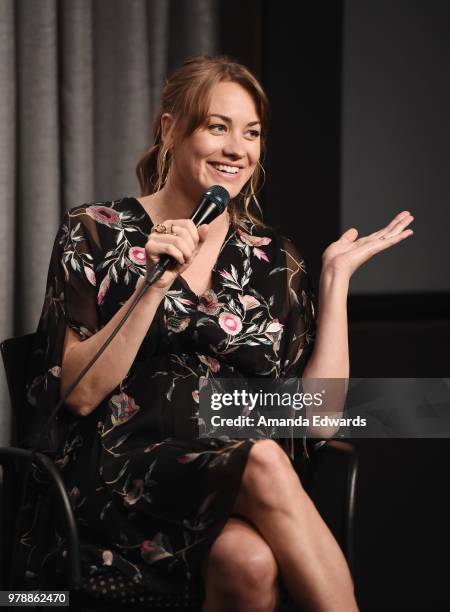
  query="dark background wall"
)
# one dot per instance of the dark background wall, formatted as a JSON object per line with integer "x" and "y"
{"x": 359, "y": 132}
{"x": 396, "y": 137}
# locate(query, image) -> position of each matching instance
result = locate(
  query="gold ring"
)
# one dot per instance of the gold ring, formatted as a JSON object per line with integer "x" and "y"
{"x": 159, "y": 228}
{"x": 382, "y": 238}
{"x": 171, "y": 229}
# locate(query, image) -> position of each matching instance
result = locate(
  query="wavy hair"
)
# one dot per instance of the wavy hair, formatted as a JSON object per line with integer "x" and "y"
{"x": 186, "y": 95}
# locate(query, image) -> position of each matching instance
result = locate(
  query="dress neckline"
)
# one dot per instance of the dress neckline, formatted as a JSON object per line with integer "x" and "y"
{"x": 214, "y": 271}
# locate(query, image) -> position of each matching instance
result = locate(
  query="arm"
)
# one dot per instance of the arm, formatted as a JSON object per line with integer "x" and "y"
{"x": 114, "y": 363}
{"x": 109, "y": 370}
{"x": 332, "y": 331}
{"x": 330, "y": 358}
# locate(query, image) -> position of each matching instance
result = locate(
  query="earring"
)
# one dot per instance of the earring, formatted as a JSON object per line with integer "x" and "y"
{"x": 252, "y": 189}
{"x": 249, "y": 192}
{"x": 162, "y": 178}
{"x": 164, "y": 160}
{"x": 264, "y": 174}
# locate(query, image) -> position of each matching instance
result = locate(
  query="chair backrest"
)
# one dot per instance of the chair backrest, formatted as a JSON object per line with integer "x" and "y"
{"x": 16, "y": 354}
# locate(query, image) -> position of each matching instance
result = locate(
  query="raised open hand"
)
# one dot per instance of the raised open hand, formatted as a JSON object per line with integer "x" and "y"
{"x": 347, "y": 254}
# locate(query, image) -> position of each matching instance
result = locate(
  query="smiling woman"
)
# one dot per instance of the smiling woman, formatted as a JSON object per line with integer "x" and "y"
{"x": 221, "y": 105}
{"x": 236, "y": 303}
{"x": 226, "y": 152}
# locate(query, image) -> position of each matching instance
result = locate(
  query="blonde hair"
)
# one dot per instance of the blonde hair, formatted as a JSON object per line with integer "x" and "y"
{"x": 186, "y": 96}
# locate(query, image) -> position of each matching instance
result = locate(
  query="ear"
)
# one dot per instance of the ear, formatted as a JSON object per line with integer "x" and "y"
{"x": 167, "y": 124}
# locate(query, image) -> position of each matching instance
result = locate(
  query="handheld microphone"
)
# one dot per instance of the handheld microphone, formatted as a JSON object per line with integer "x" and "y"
{"x": 212, "y": 204}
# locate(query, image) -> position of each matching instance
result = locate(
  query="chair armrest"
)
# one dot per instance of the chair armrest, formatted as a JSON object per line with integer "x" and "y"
{"x": 10, "y": 456}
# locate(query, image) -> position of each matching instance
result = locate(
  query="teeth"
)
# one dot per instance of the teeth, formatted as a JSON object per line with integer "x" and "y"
{"x": 229, "y": 169}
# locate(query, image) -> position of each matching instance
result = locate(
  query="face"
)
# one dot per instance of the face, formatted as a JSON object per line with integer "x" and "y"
{"x": 225, "y": 149}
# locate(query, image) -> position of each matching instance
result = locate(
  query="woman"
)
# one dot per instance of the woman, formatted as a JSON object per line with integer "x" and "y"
{"x": 149, "y": 492}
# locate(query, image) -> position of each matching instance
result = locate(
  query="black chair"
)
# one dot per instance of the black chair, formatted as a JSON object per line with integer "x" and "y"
{"x": 330, "y": 480}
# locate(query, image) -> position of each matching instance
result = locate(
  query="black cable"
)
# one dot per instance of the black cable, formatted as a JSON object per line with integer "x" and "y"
{"x": 212, "y": 203}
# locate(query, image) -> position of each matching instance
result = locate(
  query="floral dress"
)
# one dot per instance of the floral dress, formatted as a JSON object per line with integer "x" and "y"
{"x": 148, "y": 494}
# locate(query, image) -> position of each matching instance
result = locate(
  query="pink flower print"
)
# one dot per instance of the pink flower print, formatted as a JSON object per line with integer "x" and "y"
{"x": 253, "y": 241}
{"x": 195, "y": 396}
{"x": 107, "y": 557}
{"x": 248, "y": 302}
{"x": 274, "y": 327}
{"x": 260, "y": 254}
{"x": 104, "y": 286}
{"x": 147, "y": 449}
{"x": 135, "y": 493}
{"x": 138, "y": 255}
{"x": 226, "y": 275}
{"x": 209, "y": 304}
{"x": 90, "y": 275}
{"x": 230, "y": 323}
{"x": 177, "y": 325}
{"x": 188, "y": 457}
{"x": 153, "y": 550}
{"x": 210, "y": 362}
{"x": 123, "y": 408}
{"x": 104, "y": 215}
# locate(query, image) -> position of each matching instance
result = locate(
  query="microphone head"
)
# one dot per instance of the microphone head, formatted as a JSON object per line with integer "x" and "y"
{"x": 219, "y": 194}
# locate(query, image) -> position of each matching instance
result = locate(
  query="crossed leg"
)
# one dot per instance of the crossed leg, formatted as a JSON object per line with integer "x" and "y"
{"x": 285, "y": 530}
{"x": 240, "y": 572}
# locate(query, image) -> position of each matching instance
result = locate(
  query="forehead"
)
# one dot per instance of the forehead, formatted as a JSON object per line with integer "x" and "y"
{"x": 232, "y": 100}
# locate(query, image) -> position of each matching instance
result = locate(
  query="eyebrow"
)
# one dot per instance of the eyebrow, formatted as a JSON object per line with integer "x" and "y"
{"x": 225, "y": 118}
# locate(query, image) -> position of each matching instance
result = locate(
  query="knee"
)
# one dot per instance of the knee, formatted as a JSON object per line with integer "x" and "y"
{"x": 268, "y": 463}
{"x": 245, "y": 574}
{"x": 268, "y": 454}
{"x": 269, "y": 479}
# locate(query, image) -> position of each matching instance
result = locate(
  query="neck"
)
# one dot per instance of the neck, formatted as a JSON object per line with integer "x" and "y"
{"x": 175, "y": 202}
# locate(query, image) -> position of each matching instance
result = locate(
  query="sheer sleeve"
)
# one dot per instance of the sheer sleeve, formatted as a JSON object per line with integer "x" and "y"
{"x": 298, "y": 308}
{"x": 70, "y": 299}
{"x": 298, "y": 313}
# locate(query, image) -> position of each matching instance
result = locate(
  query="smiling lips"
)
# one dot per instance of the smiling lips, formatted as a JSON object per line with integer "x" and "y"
{"x": 225, "y": 169}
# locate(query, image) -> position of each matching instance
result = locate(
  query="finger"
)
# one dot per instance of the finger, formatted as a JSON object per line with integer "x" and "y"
{"x": 203, "y": 232}
{"x": 168, "y": 248}
{"x": 393, "y": 228}
{"x": 190, "y": 226}
{"x": 350, "y": 235}
{"x": 384, "y": 243}
{"x": 184, "y": 245}
{"x": 184, "y": 233}
{"x": 400, "y": 226}
{"x": 402, "y": 215}
{"x": 181, "y": 244}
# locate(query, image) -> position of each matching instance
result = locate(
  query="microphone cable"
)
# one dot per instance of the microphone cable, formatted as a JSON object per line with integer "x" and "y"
{"x": 213, "y": 202}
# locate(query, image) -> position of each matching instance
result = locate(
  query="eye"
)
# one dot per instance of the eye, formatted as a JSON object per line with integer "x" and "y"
{"x": 254, "y": 133}
{"x": 217, "y": 127}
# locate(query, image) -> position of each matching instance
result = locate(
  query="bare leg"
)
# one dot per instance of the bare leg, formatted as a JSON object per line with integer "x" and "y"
{"x": 310, "y": 560}
{"x": 240, "y": 572}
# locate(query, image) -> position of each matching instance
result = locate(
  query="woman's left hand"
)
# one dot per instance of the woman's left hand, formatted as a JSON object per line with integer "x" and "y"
{"x": 347, "y": 254}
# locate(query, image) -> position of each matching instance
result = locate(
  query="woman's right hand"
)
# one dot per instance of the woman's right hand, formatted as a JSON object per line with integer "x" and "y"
{"x": 183, "y": 247}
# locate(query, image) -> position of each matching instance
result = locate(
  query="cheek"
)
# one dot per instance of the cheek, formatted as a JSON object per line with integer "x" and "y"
{"x": 255, "y": 153}
{"x": 186, "y": 162}
{"x": 203, "y": 146}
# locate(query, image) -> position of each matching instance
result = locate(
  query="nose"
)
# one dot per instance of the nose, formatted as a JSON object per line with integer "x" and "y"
{"x": 234, "y": 146}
